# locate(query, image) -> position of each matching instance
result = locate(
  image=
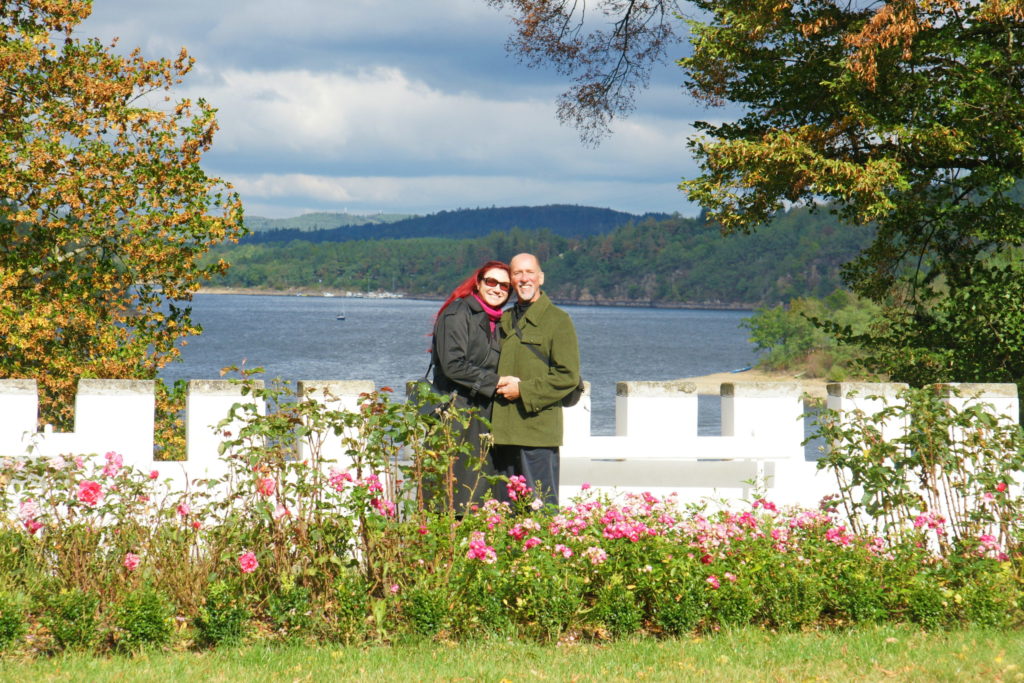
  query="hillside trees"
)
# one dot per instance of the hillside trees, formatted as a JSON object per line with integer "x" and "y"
{"x": 104, "y": 209}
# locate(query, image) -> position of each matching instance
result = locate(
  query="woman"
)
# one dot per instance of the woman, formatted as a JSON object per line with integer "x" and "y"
{"x": 465, "y": 358}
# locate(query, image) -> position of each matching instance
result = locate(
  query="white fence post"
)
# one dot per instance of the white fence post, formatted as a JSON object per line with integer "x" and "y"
{"x": 116, "y": 415}
{"x": 576, "y": 419}
{"x": 1001, "y": 398}
{"x": 19, "y": 410}
{"x": 870, "y": 398}
{"x": 772, "y": 413}
{"x": 207, "y": 403}
{"x": 644, "y": 408}
{"x": 341, "y": 395}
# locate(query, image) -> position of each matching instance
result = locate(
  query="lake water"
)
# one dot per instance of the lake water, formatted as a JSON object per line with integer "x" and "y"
{"x": 386, "y": 341}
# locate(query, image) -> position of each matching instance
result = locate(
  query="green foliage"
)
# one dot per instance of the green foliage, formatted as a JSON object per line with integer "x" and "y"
{"x": 349, "y": 608}
{"x": 797, "y": 335}
{"x": 72, "y": 618}
{"x": 790, "y": 598}
{"x": 861, "y": 584}
{"x": 927, "y": 602}
{"x": 290, "y": 609}
{"x": 972, "y": 332}
{"x": 617, "y": 608}
{"x": 12, "y": 618}
{"x": 223, "y": 618}
{"x": 427, "y": 609}
{"x": 677, "y": 598}
{"x": 144, "y": 618}
{"x": 903, "y": 118}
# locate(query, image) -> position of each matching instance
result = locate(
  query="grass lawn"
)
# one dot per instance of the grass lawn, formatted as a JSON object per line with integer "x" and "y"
{"x": 867, "y": 654}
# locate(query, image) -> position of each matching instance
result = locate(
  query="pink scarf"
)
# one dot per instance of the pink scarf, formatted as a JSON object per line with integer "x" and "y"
{"x": 493, "y": 314}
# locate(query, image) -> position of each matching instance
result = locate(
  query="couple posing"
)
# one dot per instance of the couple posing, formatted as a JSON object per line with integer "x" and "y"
{"x": 514, "y": 367}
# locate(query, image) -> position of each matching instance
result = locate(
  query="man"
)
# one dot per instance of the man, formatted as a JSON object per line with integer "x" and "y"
{"x": 539, "y": 365}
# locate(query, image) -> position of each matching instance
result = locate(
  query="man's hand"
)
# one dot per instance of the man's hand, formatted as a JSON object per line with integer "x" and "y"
{"x": 508, "y": 387}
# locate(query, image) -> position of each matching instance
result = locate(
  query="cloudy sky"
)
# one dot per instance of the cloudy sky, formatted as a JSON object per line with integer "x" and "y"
{"x": 399, "y": 106}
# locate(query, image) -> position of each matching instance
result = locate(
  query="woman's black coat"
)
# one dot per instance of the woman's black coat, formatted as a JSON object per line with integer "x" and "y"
{"x": 465, "y": 355}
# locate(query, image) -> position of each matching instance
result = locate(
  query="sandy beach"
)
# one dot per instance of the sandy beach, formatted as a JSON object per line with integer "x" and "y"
{"x": 712, "y": 384}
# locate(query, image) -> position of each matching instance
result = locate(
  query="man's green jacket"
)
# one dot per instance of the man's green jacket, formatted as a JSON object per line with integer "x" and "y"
{"x": 535, "y": 419}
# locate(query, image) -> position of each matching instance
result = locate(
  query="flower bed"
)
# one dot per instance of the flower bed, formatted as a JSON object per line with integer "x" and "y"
{"x": 98, "y": 556}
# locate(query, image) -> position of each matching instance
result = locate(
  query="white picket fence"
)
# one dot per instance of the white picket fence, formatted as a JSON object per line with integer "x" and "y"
{"x": 656, "y": 447}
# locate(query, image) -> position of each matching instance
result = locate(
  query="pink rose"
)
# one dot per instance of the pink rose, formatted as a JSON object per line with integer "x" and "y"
{"x": 196, "y": 524}
{"x": 89, "y": 492}
{"x": 114, "y": 464}
{"x": 1001, "y": 486}
{"x": 281, "y": 511}
{"x": 266, "y": 486}
{"x": 153, "y": 474}
{"x": 131, "y": 561}
{"x": 32, "y": 525}
{"x": 184, "y": 509}
{"x": 28, "y": 509}
{"x": 247, "y": 562}
{"x": 713, "y": 581}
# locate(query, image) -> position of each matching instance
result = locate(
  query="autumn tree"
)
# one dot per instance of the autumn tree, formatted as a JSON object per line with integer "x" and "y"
{"x": 104, "y": 208}
{"x": 904, "y": 116}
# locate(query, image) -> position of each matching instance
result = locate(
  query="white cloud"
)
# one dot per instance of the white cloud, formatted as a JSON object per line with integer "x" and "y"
{"x": 291, "y": 194}
{"x": 396, "y": 106}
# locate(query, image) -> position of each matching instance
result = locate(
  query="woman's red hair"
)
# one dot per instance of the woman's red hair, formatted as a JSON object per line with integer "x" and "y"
{"x": 468, "y": 286}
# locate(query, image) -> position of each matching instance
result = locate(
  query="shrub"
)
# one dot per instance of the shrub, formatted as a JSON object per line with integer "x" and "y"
{"x": 991, "y": 595}
{"x": 790, "y": 596}
{"x": 71, "y": 617}
{"x": 349, "y": 608}
{"x": 481, "y": 610}
{"x": 145, "y": 618}
{"x": 12, "y": 618}
{"x": 616, "y": 608}
{"x": 223, "y": 618}
{"x": 426, "y": 608}
{"x": 927, "y": 602}
{"x": 290, "y": 609}
{"x": 732, "y": 603}
{"x": 857, "y": 595}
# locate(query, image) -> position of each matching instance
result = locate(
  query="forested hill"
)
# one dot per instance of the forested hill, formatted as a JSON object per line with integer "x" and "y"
{"x": 672, "y": 262}
{"x": 561, "y": 219}
{"x": 320, "y": 221}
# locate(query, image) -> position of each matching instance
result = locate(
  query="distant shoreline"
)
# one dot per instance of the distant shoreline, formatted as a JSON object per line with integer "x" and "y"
{"x": 342, "y": 294}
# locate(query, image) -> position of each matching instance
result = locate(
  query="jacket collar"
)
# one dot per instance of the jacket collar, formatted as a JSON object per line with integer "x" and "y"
{"x": 536, "y": 310}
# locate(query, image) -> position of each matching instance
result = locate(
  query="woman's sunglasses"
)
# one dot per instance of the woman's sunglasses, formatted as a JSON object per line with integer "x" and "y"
{"x": 491, "y": 282}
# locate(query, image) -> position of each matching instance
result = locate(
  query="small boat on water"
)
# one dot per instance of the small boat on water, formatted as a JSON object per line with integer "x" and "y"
{"x": 340, "y": 316}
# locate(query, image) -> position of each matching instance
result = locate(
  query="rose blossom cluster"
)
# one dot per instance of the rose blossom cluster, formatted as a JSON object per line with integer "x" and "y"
{"x": 114, "y": 464}
{"x": 479, "y": 550}
{"x": 517, "y": 487}
{"x": 28, "y": 511}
